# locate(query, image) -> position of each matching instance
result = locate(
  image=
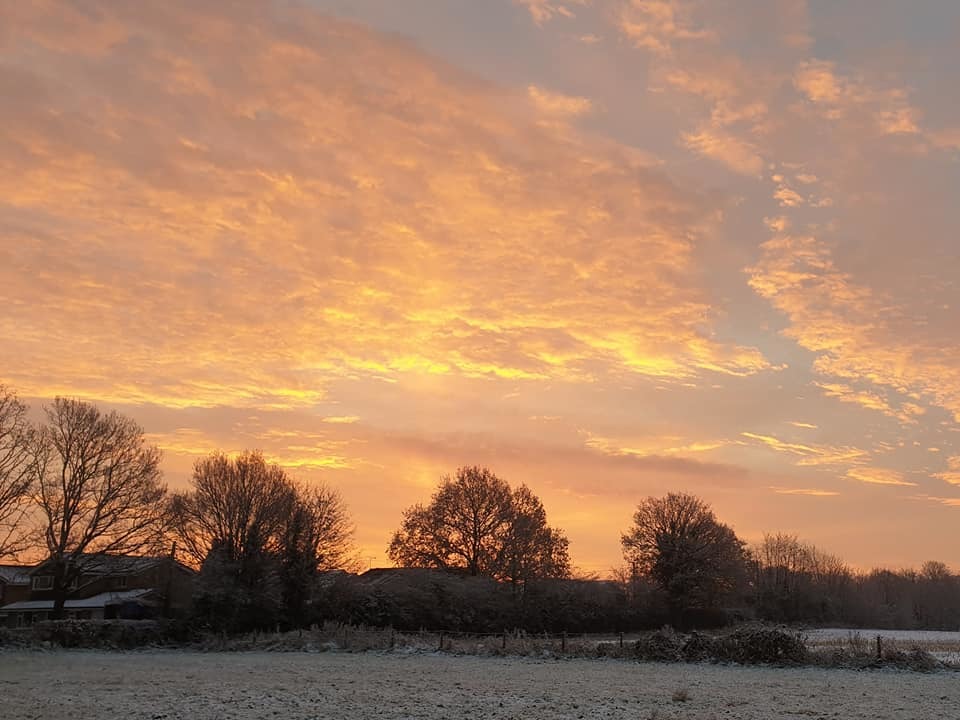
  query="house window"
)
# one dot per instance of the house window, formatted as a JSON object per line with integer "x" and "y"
{"x": 43, "y": 582}
{"x": 119, "y": 583}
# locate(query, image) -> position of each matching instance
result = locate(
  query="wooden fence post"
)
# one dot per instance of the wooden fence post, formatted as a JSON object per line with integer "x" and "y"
{"x": 879, "y": 648}
{"x": 563, "y": 642}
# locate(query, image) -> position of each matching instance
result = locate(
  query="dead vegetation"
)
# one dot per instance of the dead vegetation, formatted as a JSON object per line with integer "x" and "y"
{"x": 746, "y": 645}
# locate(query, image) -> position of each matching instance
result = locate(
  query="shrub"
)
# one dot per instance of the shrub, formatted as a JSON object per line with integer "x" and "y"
{"x": 698, "y": 648}
{"x": 761, "y": 645}
{"x": 660, "y": 646}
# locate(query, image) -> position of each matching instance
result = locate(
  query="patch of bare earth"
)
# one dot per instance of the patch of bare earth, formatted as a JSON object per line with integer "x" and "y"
{"x": 203, "y": 686}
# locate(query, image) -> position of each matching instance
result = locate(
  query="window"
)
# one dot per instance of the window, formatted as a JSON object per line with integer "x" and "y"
{"x": 43, "y": 582}
{"x": 119, "y": 583}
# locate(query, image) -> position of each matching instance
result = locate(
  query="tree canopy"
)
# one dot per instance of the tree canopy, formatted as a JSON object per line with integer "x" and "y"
{"x": 259, "y": 538}
{"x": 16, "y": 478}
{"x": 678, "y": 542}
{"x": 99, "y": 488}
{"x": 477, "y": 524}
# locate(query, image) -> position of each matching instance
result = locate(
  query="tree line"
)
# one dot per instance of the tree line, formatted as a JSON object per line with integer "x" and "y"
{"x": 480, "y": 554}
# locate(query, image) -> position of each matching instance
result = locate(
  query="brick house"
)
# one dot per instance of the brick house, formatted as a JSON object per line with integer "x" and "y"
{"x": 108, "y": 587}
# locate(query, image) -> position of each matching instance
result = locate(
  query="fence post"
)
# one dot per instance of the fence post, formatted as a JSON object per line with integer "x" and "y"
{"x": 879, "y": 648}
{"x": 621, "y": 641}
{"x": 504, "y": 645}
{"x": 393, "y": 638}
{"x": 563, "y": 642}
{"x": 441, "y": 640}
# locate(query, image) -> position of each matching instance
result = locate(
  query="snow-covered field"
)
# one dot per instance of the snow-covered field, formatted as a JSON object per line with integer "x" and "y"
{"x": 943, "y": 645}
{"x": 163, "y": 685}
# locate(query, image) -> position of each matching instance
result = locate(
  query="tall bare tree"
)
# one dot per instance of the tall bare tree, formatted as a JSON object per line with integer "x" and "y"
{"x": 678, "y": 542}
{"x": 259, "y": 538}
{"x": 237, "y": 505}
{"x": 317, "y": 536}
{"x": 99, "y": 489}
{"x": 476, "y": 523}
{"x": 16, "y": 477}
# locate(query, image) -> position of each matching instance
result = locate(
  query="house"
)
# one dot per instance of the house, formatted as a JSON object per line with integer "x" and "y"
{"x": 107, "y": 587}
{"x": 14, "y": 583}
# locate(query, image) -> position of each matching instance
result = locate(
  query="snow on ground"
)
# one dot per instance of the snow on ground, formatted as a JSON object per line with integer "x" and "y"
{"x": 167, "y": 685}
{"x": 919, "y": 637}
{"x": 943, "y": 645}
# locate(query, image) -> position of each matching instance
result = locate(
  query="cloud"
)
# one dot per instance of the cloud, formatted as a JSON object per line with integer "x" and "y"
{"x": 839, "y": 95}
{"x": 907, "y": 414}
{"x": 810, "y": 492}
{"x": 238, "y": 208}
{"x": 811, "y": 455}
{"x": 728, "y": 149}
{"x": 878, "y": 476}
{"x": 656, "y": 25}
{"x": 952, "y": 473}
{"x": 558, "y": 104}
{"x": 787, "y": 197}
{"x": 542, "y": 11}
{"x": 856, "y": 334}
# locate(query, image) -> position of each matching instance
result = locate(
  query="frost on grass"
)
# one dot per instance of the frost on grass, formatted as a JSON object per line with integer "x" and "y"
{"x": 178, "y": 685}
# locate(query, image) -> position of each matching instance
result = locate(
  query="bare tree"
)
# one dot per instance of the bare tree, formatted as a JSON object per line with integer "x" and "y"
{"x": 238, "y": 506}
{"x": 475, "y": 523}
{"x": 797, "y": 581}
{"x": 532, "y": 549}
{"x": 678, "y": 542}
{"x": 317, "y": 536}
{"x": 99, "y": 489}
{"x": 259, "y": 538}
{"x": 324, "y": 532}
{"x": 16, "y": 478}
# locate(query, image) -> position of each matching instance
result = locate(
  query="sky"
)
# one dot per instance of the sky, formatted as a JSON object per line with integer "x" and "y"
{"x": 608, "y": 248}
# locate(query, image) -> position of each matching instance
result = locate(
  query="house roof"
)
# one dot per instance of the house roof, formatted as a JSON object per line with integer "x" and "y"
{"x": 91, "y": 603}
{"x": 114, "y": 564}
{"x": 15, "y": 574}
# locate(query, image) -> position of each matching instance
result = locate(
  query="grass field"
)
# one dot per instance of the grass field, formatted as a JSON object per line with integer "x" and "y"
{"x": 167, "y": 685}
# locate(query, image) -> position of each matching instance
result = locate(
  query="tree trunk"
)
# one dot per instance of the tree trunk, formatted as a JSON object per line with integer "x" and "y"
{"x": 59, "y": 591}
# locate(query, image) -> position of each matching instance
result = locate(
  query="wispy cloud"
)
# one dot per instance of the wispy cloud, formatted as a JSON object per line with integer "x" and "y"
{"x": 809, "y": 492}
{"x": 810, "y": 454}
{"x": 878, "y": 476}
{"x": 543, "y": 11}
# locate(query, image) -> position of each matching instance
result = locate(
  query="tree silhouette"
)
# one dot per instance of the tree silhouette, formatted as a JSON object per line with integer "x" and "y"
{"x": 476, "y": 524}
{"x": 678, "y": 542}
{"x": 16, "y": 478}
{"x": 99, "y": 489}
{"x": 259, "y": 538}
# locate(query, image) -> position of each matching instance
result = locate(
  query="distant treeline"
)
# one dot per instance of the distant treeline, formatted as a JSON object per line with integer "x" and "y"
{"x": 480, "y": 556}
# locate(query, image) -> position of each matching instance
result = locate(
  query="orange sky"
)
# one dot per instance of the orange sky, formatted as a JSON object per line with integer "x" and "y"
{"x": 609, "y": 248}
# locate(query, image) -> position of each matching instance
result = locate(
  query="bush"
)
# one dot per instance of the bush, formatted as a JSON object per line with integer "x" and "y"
{"x": 13, "y": 638}
{"x": 660, "y": 646}
{"x": 109, "y": 634}
{"x": 761, "y": 645}
{"x": 698, "y": 648}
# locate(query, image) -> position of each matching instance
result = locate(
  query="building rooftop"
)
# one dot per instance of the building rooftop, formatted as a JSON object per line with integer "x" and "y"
{"x": 15, "y": 574}
{"x": 91, "y": 603}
